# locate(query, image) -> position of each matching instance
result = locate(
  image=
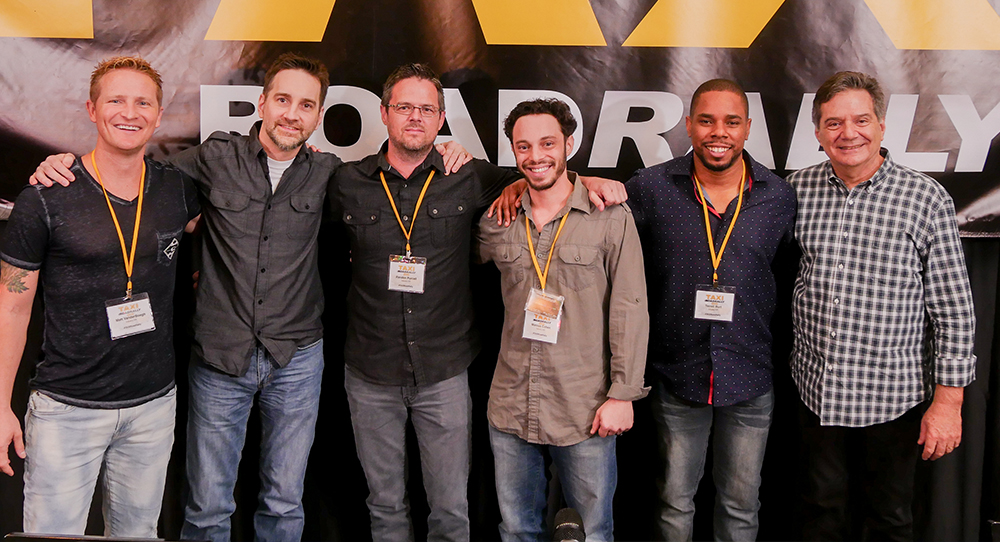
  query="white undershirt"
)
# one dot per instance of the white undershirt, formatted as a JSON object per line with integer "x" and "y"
{"x": 276, "y": 169}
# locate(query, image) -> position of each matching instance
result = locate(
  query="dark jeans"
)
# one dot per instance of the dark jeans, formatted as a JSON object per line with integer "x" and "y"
{"x": 881, "y": 458}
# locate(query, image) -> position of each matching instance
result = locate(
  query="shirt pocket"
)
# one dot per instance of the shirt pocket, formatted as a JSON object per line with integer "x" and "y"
{"x": 579, "y": 266}
{"x": 166, "y": 246}
{"x": 363, "y": 228}
{"x": 231, "y": 218}
{"x": 447, "y": 227}
{"x": 508, "y": 260}
{"x": 304, "y": 217}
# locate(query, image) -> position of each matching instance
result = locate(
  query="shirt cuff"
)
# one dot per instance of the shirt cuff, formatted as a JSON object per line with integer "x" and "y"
{"x": 955, "y": 372}
{"x": 624, "y": 392}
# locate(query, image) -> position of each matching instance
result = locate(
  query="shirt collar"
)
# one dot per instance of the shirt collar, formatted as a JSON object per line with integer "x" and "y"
{"x": 875, "y": 181}
{"x": 685, "y": 169}
{"x": 381, "y": 163}
{"x": 579, "y": 199}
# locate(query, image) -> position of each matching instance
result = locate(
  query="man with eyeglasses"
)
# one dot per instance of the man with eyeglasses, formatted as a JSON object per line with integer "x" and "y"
{"x": 410, "y": 335}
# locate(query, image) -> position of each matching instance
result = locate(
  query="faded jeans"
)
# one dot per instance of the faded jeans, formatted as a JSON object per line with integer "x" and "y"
{"x": 740, "y": 436}
{"x": 67, "y": 449}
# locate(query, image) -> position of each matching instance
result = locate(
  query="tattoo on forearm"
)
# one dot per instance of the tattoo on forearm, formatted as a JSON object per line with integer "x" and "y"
{"x": 12, "y": 278}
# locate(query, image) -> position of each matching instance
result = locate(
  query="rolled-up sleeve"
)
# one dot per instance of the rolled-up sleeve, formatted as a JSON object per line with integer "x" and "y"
{"x": 948, "y": 299}
{"x": 628, "y": 313}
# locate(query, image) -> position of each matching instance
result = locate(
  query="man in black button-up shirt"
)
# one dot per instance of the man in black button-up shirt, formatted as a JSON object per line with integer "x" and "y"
{"x": 407, "y": 352}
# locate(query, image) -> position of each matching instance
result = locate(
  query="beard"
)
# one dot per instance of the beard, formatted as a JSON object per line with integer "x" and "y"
{"x": 413, "y": 146}
{"x": 558, "y": 168}
{"x": 717, "y": 167}
{"x": 286, "y": 143}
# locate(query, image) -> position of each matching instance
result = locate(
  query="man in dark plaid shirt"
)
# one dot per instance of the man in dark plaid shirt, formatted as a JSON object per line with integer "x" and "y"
{"x": 883, "y": 317}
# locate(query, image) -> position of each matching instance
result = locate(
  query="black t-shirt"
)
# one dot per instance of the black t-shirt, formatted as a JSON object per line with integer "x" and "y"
{"x": 68, "y": 234}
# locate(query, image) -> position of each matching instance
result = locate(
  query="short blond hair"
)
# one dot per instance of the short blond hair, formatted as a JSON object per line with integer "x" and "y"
{"x": 124, "y": 63}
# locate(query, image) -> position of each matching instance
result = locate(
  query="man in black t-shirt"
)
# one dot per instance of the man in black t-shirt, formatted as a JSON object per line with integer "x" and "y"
{"x": 104, "y": 251}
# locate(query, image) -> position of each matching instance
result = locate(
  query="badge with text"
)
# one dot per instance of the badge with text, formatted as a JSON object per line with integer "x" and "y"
{"x": 542, "y": 316}
{"x": 406, "y": 273}
{"x": 127, "y": 317}
{"x": 714, "y": 303}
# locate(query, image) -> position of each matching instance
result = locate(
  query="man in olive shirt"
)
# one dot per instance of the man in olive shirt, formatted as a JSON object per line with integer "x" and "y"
{"x": 573, "y": 348}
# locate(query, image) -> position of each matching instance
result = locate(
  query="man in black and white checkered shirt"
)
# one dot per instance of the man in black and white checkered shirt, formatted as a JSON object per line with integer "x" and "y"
{"x": 883, "y": 318}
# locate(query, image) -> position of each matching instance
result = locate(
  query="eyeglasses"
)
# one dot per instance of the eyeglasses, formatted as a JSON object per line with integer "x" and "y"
{"x": 407, "y": 109}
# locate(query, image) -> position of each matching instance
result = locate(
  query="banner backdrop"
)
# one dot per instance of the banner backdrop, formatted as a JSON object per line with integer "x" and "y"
{"x": 628, "y": 69}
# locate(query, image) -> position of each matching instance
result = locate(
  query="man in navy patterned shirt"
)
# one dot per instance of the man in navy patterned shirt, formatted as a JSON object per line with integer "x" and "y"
{"x": 883, "y": 318}
{"x": 715, "y": 227}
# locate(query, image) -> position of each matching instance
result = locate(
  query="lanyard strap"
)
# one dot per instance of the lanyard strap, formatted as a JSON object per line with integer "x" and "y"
{"x": 129, "y": 258}
{"x": 531, "y": 248}
{"x": 406, "y": 233}
{"x": 717, "y": 258}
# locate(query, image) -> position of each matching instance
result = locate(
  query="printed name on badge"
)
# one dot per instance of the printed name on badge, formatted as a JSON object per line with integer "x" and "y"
{"x": 406, "y": 273}
{"x": 129, "y": 317}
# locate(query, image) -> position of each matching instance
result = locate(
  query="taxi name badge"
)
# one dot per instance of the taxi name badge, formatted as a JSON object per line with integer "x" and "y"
{"x": 542, "y": 316}
{"x": 714, "y": 303}
{"x": 406, "y": 273}
{"x": 127, "y": 317}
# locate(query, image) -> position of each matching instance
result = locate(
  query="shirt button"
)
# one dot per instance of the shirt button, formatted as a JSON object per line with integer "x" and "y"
{"x": 262, "y": 269}
{"x": 409, "y": 311}
{"x": 577, "y": 258}
{"x": 534, "y": 380}
{"x": 268, "y": 206}
{"x": 841, "y": 266}
{"x": 349, "y": 217}
{"x": 461, "y": 208}
{"x": 265, "y": 238}
{"x": 410, "y": 343}
{"x": 434, "y": 211}
{"x": 845, "y": 234}
{"x": 260, "y": 301}
{"x": 374, "y": 217}
{"x": 836, "y": 301}
{"x": 833, "y": 334}
{"x": 405, "y": 217}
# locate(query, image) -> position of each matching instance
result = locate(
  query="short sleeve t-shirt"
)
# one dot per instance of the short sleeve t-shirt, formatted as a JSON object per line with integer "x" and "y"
{"x": 68, "y": 234}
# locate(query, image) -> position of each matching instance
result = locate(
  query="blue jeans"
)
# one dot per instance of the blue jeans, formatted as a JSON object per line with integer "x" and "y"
{"x": 588, "y": 472}
{"x": 740, "y": 436}
{"x": 68, "y": 447}
{"x": 442, "y": 419}
{"x": 217, "y": 425}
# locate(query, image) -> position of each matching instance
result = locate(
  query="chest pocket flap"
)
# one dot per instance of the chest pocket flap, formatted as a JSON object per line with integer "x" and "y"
{"x": 360, "y": 217}
{"x": 307, "y": 204}
{"x": 228, "y": 200}
{"x": 578, "y": 255}
{"x": 445, "y": 209}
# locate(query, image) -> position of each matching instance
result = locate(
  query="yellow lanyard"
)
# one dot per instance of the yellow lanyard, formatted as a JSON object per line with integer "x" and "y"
{"x": 129, "y": 259}
{"x": 717, "y": 258}
{"x": 406, "y": 233}
{"x": 531, "y": 248}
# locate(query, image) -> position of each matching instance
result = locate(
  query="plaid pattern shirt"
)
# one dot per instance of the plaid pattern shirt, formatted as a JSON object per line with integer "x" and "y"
{"x": 882, "y": 306}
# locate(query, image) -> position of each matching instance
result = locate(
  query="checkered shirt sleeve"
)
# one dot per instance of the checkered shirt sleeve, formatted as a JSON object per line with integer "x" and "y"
{"x": 882, "y": 306}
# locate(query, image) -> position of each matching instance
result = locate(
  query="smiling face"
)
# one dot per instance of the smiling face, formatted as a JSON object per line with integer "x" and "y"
{"x": 540, "y": 149}
{"x": 290, "y": 112}
{"x": 126, "y": 111}
{"x": 851, "y": 134}
{"x": 413, "y": 134}
{"x": 718, "y": 127}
